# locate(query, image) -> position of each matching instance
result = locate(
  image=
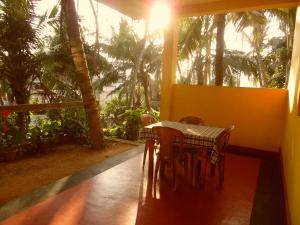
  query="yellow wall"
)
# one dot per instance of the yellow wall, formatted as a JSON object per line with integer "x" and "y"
{"x": 258, "y": 114}
{"x": 291, "y": 144}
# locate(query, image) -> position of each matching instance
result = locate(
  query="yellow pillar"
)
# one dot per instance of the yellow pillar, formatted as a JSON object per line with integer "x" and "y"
{"x": 291, "y": 143}
{"x": 169, "y": 68}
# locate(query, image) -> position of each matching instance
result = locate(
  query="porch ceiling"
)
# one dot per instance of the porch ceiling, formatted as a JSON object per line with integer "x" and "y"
{"x": 139, "y": 8}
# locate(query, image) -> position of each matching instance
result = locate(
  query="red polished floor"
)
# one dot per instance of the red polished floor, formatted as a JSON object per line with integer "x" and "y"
{"x": 122, "y": 195}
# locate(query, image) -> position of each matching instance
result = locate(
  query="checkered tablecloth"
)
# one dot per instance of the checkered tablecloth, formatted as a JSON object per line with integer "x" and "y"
{"x": 194, "y": 135}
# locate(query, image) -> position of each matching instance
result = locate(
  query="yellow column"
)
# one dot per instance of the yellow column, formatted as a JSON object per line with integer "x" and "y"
{"x": 169, "y": 68}
{"x": 291, "y": 143}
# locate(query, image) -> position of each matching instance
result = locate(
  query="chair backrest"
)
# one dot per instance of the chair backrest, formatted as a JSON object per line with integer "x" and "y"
{"x": 168, "y": 138}
{"x": 192, "y": 120}
{"x": 223, "y": 141}
{"x": 147, "y": 119}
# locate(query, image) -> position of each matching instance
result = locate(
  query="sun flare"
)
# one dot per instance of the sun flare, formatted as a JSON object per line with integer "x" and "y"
{"x": 159, "y": 16}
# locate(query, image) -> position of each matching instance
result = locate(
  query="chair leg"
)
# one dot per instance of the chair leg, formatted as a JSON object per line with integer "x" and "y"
{"x": 184, "y": 161}
{"x": 197, "y": 173}
{"x": 204, "y": 172}
{"x": 190, "y": 165}
{"x": 145, "y": 153}
{"x": 157, "y": 165}
{"x": 194, "y": 169}
{"x": 173, "y": 174}
{"x": 162, "y": 168}
{"x": 221, "y": 170}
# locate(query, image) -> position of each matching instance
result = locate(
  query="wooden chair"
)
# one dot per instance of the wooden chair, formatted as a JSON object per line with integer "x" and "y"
{"x": 171, "y": 142}
{"x": 192, "y": 153}
{"x": 192, "y": 120}
{"x": 147, "y": 119}
{"x": 222, "y": 144}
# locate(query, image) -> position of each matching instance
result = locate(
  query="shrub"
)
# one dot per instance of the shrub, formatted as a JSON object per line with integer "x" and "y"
{"x": 121, "y": 121}
{"x": 74, "y": 124}
{"x": 10, "y": 133}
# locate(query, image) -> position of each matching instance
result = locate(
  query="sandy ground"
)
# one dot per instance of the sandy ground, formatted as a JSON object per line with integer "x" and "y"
{"x": 27, "y": 174}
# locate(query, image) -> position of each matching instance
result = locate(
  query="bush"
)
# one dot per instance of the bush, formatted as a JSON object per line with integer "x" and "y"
{"x": 74, "y": 124}
{"x": 121, "y": 121}
{"x": 52, "y": 127}
{"x": 10, "y": 133}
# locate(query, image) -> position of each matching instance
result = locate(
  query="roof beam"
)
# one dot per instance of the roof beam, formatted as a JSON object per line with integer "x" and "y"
{"x": 226, "y": 6}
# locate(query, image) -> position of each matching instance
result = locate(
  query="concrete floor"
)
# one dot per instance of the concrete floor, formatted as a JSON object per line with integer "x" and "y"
{"x": 123, "y": 195}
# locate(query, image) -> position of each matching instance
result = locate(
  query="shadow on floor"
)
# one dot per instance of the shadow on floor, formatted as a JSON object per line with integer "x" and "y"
{"x": 268, "y": 208}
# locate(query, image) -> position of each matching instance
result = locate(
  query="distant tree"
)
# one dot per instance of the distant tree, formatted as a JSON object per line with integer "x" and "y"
{"x": 287, "y": 20}
{"x": 194, "y": 47}
{"x": 258, "y": 22}
{"x": 272, "y": 56}
{"x": 277, "y": 62}
{"x": 18, "y": 40}
{"x": 135, "y": 59}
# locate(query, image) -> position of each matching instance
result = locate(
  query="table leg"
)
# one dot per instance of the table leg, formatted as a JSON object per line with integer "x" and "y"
{"x": 151, "y": 157}
{"x": 212, "y": 169}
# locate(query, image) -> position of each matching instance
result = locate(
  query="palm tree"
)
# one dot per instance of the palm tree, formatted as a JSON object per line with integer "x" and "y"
{"x": 258, "y": 22}
{"x": 287, "y": 19}
{"x": 237, "y": 63}
{"x": 135, "y": 59}
{"x": 194, "y": 47}
{"x": 18, "y": 65}
{"x": 77, "y": 51}
{"x": 272, "y": 57}
{"x": 197, "y": 34}
{"x": 219, "y": 69}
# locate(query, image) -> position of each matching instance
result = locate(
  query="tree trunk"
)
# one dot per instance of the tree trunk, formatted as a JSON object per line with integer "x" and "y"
{"x": 257, "y": 45}
{"x": 261, "y": 68}
{"x": 207, "y": 70}
{"x": 207, "y": 46}
{"x": 140, "y": 54}
{"x": 289, "y": 33}
{"x": 199, "y": 71}
{"x": 97, "y": 46}
{"x": 1, "y": 101}
{"x": 77, "y": 51}
{"x": 21, "y": 96}
{"x": 145, "y": 84}
{"x": 220, "y": 21}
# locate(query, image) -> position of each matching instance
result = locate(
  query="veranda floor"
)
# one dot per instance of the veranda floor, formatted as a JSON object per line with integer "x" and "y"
{"x": 123, "y": 195}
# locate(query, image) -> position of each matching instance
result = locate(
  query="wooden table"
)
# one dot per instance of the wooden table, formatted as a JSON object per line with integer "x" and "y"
{"x": 195, "y": 136}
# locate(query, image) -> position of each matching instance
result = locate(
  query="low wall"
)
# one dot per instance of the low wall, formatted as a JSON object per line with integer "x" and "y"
{"x": 257, "y": 113}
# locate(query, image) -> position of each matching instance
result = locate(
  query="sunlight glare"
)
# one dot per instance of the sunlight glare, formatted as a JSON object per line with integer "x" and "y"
{"x": 159, "y": 16}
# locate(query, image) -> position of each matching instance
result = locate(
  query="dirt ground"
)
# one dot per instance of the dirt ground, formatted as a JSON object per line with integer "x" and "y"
{"x": 27, "y": 174}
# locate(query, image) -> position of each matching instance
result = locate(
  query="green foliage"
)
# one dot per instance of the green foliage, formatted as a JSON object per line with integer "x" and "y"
{"x": 45, "y": 129}
{"x": 18, "y": 39}
{"x": 266, "y": 62}
{"x": 10, "y": 133}
{"x": 128, "y": 51}
{"x": 277, "y": 62}
{"x": 131, "y": 123}
{"x": 74, "y": 124}
{"x": 121, "y": 121}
